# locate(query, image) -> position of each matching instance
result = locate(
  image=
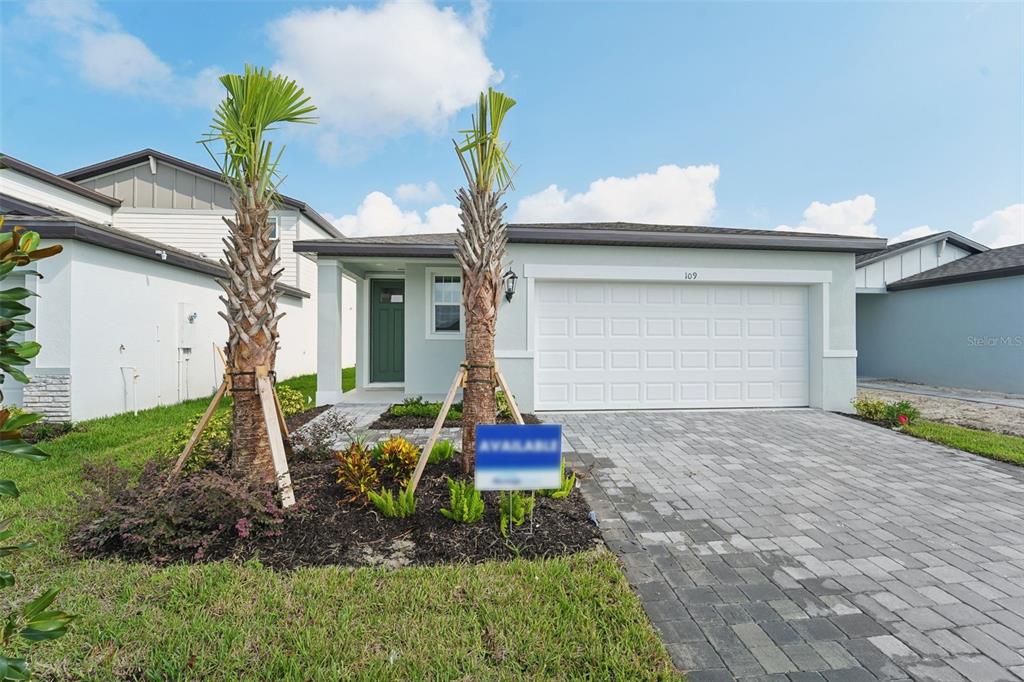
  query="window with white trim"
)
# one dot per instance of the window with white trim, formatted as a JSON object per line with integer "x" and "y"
{"x": 445, "y": 303}
{"x": 275, "y": 225}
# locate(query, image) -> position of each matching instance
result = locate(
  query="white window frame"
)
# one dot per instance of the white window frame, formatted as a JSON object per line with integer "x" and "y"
{"x": 275, "y": 228}
{"x": 429, "y": 283}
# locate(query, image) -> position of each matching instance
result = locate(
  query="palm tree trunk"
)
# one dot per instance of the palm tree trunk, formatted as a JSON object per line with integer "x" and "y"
{"x": 251, "y": 302}
{"x": 480, "y": 249}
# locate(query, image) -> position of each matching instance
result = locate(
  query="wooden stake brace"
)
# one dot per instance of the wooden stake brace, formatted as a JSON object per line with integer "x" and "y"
{"x": 460, "y": 381}
{"x": 277, "y": 431}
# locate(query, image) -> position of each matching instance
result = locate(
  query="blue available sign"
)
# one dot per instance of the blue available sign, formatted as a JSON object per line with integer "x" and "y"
{"x": 518, "y": 457}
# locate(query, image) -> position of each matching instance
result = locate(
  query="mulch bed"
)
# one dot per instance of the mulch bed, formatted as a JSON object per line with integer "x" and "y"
{"x": 387, "y": 421}
{"x": 322, "y": 529}
{"x": 296, "y": 420}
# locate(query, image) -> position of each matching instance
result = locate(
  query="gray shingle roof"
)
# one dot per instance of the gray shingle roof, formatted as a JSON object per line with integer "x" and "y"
{"x": 608, "y": 234}
{"x": 8, "y": 161}
{"x": 1005, "y": 262}
{"x": 898, "y": 247}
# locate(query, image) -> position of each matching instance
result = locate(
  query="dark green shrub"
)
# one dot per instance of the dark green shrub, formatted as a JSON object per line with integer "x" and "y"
{"x": 416, "y": 407}
{"x": 394, "y": 507}
{"x": 465, "y": 503}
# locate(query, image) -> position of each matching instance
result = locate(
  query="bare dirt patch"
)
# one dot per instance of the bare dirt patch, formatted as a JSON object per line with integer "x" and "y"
{"x": 974, "y": 415}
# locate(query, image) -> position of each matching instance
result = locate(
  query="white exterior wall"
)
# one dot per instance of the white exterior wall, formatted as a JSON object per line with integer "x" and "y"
{"x": 38, "y": 192}
{"x": 430, "y": 362}
{"x": 880, "y": 273}
{"x": 104, "y": 317}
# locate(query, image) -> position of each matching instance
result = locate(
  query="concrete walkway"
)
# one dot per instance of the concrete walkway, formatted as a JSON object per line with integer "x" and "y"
{"x": 803, "y": 545}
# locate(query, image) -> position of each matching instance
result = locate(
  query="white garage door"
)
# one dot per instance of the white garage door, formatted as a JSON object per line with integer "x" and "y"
{"x": 627, "y": 345}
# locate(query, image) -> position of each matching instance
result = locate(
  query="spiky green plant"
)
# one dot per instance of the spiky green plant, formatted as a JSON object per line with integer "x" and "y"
{"x": 465, "y": 504}
{"x": 394, "y": 507}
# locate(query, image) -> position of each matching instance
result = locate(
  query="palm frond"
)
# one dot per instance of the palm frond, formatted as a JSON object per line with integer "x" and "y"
{"x": 483, "y": 155}
{"x": 256, "y": 101}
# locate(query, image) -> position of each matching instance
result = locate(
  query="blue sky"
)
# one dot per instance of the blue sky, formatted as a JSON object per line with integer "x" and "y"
{"x": 868, "y": 118}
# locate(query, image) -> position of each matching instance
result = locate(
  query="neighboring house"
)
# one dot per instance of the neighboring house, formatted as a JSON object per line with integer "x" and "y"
{"x": 128, "y": 313}
{"x": 609, "y": 316}
{"x": 959, "y": 323}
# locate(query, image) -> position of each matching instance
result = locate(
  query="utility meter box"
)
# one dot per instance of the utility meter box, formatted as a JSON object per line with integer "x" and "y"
{"x": 187, "y": 319}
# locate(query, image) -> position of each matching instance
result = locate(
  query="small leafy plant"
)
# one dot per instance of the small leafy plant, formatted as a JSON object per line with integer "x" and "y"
{"x": 441, "y": 452}
{"x": 292, "y": 401}
{"x": 872, "y": 410}
{"x": 465, "y": 503}
{"x": 503, "y": 409}
{"x": 356, "y": 472}
{"x": 899, "y": 413}
{"x": 515, "y": 507}
{"x": 394, "y": 507}
{"x": 562, "y": 491}
{"x": 396, "y": 457}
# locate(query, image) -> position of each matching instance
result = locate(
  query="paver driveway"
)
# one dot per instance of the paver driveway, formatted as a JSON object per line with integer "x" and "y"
{"x": 802, "y": 545}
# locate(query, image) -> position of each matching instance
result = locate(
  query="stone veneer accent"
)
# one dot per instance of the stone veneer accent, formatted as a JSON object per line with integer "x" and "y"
{"x": 50, "y": 396}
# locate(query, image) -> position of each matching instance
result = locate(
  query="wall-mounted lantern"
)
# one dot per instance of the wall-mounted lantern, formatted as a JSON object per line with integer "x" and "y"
{"x": 509, "y": 278}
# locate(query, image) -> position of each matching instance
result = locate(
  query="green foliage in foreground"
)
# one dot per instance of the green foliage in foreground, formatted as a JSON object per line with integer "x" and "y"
{"x": 465, "y": 504}
{"x": 899, "y": 413}
{"x": 515, "y": 507}
{"x": 563, "y": 490}
{"x": 442, "y": 451}
{"x": 391, "y": 506}
{"x": 572, "y": 617}
{"x": 999, "y": 446}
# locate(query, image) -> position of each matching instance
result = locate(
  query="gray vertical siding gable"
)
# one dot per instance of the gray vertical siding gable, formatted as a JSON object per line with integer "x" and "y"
{"x": 170, "y": 188}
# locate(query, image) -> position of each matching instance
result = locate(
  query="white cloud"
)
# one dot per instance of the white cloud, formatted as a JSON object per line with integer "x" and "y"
{"x": 106, "y": 56}
{"x": 850, "y": 217}
{"x": 912, "y": 233}
{"x": 671, "y": 195}
{"x": 379, "y": 215}
{"x": 418, "y": 194}
{"x": 1000, "y": 228}
{"x": 388, "y": 69}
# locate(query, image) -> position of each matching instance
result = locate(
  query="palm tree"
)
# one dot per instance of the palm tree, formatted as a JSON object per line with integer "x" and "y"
{"x": 256, "y": 101}
{"x": 480, "y": 250}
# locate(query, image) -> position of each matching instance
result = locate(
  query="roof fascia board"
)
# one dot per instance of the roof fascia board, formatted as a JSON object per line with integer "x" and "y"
{"x": 58, "y": 181}
{"x": 691, "y": 239}
{"x": 1012, "y": 271}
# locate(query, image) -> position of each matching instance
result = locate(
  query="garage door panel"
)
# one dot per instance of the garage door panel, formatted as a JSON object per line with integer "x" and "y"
{"x": 633, "y": 345}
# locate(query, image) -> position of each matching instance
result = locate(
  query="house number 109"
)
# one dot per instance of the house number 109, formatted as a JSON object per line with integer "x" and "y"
{"x": 689, "y": 275}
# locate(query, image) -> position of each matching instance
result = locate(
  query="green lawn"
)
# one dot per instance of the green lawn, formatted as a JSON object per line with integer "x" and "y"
{"x": 561, "y": 618}
{"x": 986, "y": 443}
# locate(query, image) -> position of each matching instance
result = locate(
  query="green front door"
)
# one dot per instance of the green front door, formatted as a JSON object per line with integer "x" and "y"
{"x": 387, "y": 330}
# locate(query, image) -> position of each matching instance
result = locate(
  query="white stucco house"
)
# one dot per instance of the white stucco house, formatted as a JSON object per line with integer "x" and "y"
{"x": 127, "y": 313}
{"x": 608, "y": 316}
{"x": 942, "y": 310}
